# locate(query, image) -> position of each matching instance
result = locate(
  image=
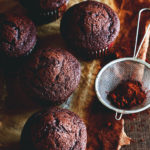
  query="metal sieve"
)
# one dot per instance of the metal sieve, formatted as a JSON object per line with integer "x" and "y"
{"x": 123, "y": 69}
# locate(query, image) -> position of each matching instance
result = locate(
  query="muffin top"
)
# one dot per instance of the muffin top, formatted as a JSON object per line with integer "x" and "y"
{"x": 90, "y": 25}
{"x": 43, "y": 4}
{"x": 52, "y": 75}
{"x": 17, "y": 35}
{"x": 51, "y": 4}
{"x": 54, "y": 129}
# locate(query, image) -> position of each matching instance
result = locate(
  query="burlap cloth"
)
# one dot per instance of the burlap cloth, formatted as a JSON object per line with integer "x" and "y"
{"x": 104, "y": 132}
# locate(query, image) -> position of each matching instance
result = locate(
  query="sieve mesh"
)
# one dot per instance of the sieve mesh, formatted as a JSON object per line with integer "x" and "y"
{"x": 125, "y": 69}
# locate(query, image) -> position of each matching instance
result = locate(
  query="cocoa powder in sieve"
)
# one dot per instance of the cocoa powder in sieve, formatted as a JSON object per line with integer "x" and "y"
{"x": 127, "y": 94}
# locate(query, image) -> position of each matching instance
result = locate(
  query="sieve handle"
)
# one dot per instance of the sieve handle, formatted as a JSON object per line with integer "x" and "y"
{"x": 137, "y": 33}
{"x": 118, "y": 116}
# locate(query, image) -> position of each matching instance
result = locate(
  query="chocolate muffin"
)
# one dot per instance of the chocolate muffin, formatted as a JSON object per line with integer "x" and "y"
{"x": 54, "y": 129}
{"x": 44, "y": 11}
{"x": 90, "y": 28}
{"x": 17, "y": 35}
{"x": 51, "y": 75}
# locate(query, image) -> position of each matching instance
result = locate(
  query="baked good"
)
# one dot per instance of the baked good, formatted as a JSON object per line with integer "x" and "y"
{"x": 54, "y": 129}
{"x": 90, "y": 28}
{"x": 51, "y": 75}
{"x": 18, "y": 35}
{"x": 44, "y": 11}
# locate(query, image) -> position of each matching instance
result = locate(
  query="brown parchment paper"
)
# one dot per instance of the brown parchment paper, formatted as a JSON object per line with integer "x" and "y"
{"x": 104, "y": 132}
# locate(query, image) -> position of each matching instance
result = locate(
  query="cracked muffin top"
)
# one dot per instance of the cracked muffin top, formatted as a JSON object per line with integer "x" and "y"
{"x": 54, "y": 129}
{"x": 43, "y": 4}
{"x": 89, "y": 26}
{"x": 51, "y": 75}
{"x": 17, "y": 35}
{"x": 44, "y": 11}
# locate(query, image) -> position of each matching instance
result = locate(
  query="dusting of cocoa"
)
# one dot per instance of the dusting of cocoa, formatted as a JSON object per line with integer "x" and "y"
{"x": 104, "y": 132}
{"x": 130, "y": 116}
{"x": 127, "y": 94}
